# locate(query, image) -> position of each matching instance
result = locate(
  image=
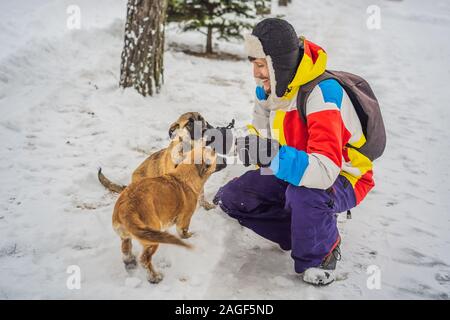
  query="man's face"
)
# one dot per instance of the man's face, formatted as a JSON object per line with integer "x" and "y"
{"x": 261, "y": 71}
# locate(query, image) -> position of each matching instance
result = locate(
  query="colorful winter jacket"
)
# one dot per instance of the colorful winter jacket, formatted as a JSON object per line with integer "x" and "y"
{"x": 314, "y": 153}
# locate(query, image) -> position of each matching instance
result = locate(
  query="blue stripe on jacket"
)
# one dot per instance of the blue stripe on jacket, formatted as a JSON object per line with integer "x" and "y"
{"x": 332, "y": 92}
{"x": 290, "y": 164}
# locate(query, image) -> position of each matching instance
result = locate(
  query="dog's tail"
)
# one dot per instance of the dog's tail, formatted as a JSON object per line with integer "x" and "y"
{"x": 145, "y": 234}
{"x": 111, "y": 186}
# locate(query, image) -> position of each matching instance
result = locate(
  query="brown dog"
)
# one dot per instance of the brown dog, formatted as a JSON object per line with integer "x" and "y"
{"x": 150, "y": 205}
{"x": 162, "y": 162}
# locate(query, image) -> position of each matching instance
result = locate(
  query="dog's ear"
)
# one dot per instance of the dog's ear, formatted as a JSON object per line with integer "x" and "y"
{"x": 172, "y": 129}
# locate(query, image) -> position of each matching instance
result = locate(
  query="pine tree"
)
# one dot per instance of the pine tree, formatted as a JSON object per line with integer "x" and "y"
{"x": 227, "y": 18}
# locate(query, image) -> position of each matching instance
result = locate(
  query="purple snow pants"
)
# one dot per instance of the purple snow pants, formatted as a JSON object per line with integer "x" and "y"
{"x": 297, "y": 218}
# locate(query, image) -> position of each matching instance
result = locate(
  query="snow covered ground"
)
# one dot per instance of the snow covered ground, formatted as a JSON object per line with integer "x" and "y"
{"x": 63, "y": 115}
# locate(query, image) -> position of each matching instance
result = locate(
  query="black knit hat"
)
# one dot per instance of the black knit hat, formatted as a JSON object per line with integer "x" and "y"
{"x": 280, "y": 41}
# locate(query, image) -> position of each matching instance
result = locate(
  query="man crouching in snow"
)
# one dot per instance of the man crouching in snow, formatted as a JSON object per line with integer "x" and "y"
{"x": 314, "y": 175}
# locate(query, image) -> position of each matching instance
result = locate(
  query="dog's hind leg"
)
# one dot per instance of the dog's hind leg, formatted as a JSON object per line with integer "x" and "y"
{"x": 128, "y": 258}
{"x": 127, "y": 254}
{"x": 146, "y": 260}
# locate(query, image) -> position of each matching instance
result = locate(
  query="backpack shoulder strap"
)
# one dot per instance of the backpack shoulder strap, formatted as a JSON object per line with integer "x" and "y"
{"x": 306, "y": 89}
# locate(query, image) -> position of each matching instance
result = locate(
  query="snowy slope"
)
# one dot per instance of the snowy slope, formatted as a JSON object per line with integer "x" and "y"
{"x": 63, "y": 115}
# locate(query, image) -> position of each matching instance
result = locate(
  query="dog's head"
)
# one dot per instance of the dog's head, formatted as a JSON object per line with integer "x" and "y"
{"x": 205, "y": 159}
{"x": 189, "y": 126}
{"x": 211, "y": 162}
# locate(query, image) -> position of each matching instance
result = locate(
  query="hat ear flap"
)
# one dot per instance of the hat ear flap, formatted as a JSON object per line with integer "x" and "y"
{"x": 283, "y": 69}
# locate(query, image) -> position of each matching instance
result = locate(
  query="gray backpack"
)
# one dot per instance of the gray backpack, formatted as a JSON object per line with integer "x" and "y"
{"x": 365, "y": 104}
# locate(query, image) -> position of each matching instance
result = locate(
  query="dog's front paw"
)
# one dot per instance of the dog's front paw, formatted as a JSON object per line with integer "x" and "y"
{"x": 208, "y": 206}
{"x": 154, "y": 277}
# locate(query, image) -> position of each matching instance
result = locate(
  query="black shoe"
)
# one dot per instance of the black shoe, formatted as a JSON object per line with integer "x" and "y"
{"x": 330, "y": 261}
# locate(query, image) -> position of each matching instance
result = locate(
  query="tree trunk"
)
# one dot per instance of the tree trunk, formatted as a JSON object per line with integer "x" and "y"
{"x": 209, "y": 48}
{"x": 263, "y": 7}
{"x": 282, "y": 3}
{"x": 143, "y": 51}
